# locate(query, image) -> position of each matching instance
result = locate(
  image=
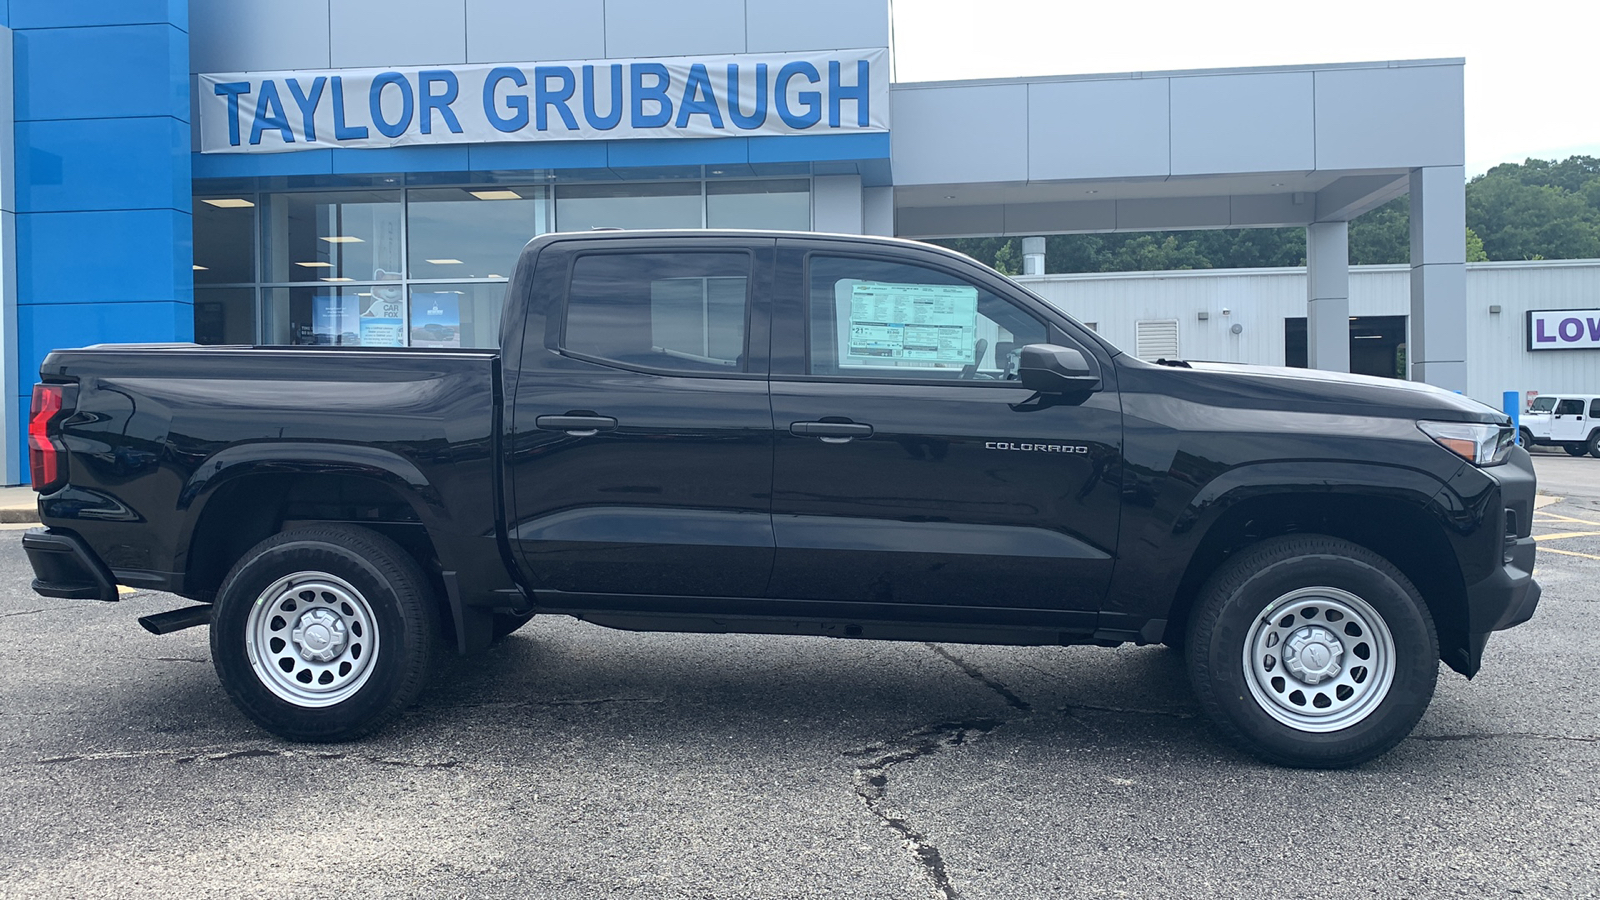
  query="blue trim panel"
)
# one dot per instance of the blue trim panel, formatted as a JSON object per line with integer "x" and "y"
{"x": 45, "y": 327}
{"x": 122, "y": 71}
{"x": 80, "y": 13}
{"x": 542, "y": 155}
{"x": 103, "y": 256}
{"x": 87, "y": 164}
{"x": 819, "y": 147}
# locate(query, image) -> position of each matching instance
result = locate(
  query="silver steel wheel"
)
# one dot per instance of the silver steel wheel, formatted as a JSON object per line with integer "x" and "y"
{"x": 312, "y": 639}
{"x": 1319, "y": 659}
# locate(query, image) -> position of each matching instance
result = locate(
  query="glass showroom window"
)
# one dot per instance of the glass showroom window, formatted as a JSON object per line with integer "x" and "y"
{"x": 584, "y": 207}
{"x": 332, "y": 236}
{"x": 472, "y": 232}
{"x": 781, "y": 204}
{"x": 464, "y": 314}
{"x": 224, "y": 254}
{"x": 356, "y": 315}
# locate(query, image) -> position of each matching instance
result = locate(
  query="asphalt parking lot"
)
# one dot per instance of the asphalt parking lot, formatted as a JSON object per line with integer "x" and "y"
{"x": 572, "y": 761}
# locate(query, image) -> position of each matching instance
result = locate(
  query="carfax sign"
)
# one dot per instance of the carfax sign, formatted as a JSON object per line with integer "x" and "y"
{"x": 820, "y": 92}
{"x": 1563, "y": 329}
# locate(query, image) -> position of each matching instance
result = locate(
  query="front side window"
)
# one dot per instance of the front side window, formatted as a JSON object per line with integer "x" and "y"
{"x": 883, "y": 319}
{"x": 1570, "y": 408}
{"x": 682, "y": 312}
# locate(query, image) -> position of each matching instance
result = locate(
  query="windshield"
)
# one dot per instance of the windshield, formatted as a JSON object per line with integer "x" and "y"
{"x": 1542, "y": 404}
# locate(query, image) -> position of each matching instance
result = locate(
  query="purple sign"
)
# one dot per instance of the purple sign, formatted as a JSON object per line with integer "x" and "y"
{"x": 1564, "y": 329}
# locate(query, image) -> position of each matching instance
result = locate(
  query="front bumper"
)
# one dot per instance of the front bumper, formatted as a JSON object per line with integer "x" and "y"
{"x": 65, "y": 568}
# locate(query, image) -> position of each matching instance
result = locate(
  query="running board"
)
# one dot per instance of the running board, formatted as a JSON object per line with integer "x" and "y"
{"x": 177, "y": 619}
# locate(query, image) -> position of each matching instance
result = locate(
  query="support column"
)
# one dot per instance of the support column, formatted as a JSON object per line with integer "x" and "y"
{"x": 877, "y": 210}
{"x": 836, "y": 204}
{"x": 1033, "y": 256}
{"x": 1328, "y": 296}
{"x": 1438, "y": 347}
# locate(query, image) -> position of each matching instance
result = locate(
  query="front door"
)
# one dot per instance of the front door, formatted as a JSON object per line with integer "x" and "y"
{"x": 910, "y": 465}
{"x": 1569, "y": 422}
{"x": 642, "y": 432}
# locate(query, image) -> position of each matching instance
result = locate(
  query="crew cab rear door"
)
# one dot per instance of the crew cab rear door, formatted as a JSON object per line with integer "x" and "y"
{"x": 641, "y": 455}
{"x": 910, "y": 466}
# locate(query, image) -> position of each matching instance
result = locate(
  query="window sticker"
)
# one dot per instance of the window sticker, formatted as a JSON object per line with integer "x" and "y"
{"x": 916, "y": 324}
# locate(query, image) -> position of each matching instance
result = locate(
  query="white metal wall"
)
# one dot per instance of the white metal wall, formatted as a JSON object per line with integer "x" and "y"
{"x": 1258, "y": 300}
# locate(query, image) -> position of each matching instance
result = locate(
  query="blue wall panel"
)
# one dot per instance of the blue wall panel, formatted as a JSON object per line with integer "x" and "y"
{"x": 665, "y": 152}
{"x": 70, "y": 163}
{"x": 102, "y": 73}
{"x": 449, "y": 158}
{"x": 819, "y": 147}
{"x": 118, "y": 255}
{"x": 515, "y": 156}
{"x": 262, "y": 165}
{"x": 79, "y": 13}
{"x": 54, "y": 326}
{"x": 104, "y": 235}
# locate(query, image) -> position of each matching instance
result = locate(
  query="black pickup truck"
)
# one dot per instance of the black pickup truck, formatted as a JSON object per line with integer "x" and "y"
{"x": 794, "y": 434}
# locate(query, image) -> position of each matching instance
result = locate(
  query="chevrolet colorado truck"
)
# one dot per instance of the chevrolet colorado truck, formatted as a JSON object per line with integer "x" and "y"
{"x": 787, "y": 433}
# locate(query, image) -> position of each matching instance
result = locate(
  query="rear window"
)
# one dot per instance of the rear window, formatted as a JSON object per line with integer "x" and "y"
{"x": 681, "y": 312}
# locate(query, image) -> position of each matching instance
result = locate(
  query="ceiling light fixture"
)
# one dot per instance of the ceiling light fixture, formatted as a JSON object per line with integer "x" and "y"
{"x": 496, "y": 195}
{"x": 229, "y": 203}
{"x": 445, "y": 262}
{"x": 343, "y": 239}
{"x": 316, "y": 265}
{"x": 338, "y": 279}
{"x": 201, "y": 269}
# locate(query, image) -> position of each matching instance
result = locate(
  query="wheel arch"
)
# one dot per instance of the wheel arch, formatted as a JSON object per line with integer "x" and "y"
{"x": 1401, "y": 524}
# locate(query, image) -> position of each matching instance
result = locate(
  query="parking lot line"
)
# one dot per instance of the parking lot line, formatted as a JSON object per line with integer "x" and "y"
{"x": 1560, "y": 518}
{"x": 1568, "y": 553}
{"x": 1565, "y": 534}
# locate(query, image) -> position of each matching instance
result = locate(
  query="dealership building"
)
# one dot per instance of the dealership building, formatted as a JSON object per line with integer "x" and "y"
{"x": 365, "y": 171}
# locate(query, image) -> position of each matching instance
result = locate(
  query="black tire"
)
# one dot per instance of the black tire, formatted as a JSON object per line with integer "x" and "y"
{"x": 1575, "y": 448}
{"x": 1312, "y": 578}
{"x": 1593, "y": 444}
{"x": 1527, "y": 440}
{"x": 507, "y": 623}
{"x": 347, "y": 594}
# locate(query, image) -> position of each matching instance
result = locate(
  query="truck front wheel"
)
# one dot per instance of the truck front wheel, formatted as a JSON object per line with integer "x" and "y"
{"x": 324, "y": 633}
{"x": 1311, "y": 651}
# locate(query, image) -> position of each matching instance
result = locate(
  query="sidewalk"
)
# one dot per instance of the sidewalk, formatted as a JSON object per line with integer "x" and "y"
{"x": 18, "y": 504}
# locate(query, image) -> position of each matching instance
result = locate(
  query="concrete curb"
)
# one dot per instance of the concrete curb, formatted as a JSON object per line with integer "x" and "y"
{"x": 16, "y": 514}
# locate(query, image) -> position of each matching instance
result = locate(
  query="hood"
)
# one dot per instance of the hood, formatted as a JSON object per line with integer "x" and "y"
{"x": 1275, "y": 387}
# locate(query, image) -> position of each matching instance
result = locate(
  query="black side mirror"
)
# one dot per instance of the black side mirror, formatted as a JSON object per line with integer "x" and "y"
{"x": 1050, "y": 369}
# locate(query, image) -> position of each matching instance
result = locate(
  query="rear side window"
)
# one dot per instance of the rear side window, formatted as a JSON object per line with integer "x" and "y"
{"x": 678, "y": 312}
{"x": 1570, "y": 408}
{"x": 1594, "y": 409}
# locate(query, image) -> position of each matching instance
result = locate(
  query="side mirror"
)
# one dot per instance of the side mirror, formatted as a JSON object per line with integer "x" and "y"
{"x": 1050, "y": 369}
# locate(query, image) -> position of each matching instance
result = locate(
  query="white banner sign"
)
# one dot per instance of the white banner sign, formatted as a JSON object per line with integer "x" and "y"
{"x": 832, "y": 92}
{"x": 1563, "y": 329}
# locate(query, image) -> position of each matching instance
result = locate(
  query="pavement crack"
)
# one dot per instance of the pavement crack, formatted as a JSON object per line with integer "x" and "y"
{"x": 872, "y": 784}
{"x": 1495, "y": 735}
{"x": 1074, "y": 708}
{"x": 30, "y": 612}
{"x": 1012, "y": 700}
{"x": 223, "y": 754}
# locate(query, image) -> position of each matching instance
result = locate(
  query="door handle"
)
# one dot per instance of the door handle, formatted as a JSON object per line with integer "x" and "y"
{"x": 577, "y": 426}
{"x": 831, "y": 432}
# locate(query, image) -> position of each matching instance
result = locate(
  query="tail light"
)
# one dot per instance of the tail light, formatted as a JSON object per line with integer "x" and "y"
{"x": 46, "y": 456}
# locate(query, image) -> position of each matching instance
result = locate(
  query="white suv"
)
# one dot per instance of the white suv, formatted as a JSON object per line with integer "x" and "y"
{"x": 1569, "y": 421}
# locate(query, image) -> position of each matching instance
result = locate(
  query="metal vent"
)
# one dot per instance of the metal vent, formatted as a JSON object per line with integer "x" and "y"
{"x": 1156, "y": 339}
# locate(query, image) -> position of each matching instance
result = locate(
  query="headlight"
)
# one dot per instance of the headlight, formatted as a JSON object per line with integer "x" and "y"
{"x": 1478, "y": 443}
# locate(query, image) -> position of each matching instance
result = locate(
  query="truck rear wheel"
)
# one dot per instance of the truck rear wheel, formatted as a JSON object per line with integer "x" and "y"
{"x": 1311, "y": 651}
{"x": 324, "y": 633}
{"x": 1593, "y": 444}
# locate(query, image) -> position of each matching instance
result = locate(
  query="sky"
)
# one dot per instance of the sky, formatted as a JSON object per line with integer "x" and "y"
{"x": 1532, "y": 88}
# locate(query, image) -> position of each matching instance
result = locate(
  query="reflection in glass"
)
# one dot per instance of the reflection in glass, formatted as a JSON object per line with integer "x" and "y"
{"x": 361, "y": 316}
{"x": 332, "y": 236}
{"x": 681, "y": 311}
{"x": 225, "y": 315}
{"x": 472, "y": 232}
{"x": 224, "y": 240}
{"x": 584, "y": 207}
{"x": 777, "y": 204}
{"x": 456, "y": 315}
